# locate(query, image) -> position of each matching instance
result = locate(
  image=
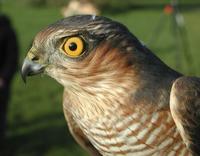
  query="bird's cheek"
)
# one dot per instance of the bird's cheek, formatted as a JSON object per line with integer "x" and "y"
{"x": 53, "y": 72}
{"x": 49, "y": 70}
{"x": 55, "y": 75}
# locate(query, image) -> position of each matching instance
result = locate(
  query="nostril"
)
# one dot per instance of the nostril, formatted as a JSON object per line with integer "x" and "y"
{"x": 35, "y": 58}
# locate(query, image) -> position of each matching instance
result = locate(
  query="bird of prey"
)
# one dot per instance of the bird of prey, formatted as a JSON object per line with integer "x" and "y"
{"x": 119, "y": 98}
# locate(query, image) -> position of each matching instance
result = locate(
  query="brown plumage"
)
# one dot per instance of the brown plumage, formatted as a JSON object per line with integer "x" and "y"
{"x": 116, "y": 91}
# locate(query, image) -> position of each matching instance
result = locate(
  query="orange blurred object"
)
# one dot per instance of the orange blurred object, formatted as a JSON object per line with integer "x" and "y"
{"x": 168, "y": 9}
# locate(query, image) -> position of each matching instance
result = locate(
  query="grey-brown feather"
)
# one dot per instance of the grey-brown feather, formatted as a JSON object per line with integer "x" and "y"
{"x": 186, "y": 96}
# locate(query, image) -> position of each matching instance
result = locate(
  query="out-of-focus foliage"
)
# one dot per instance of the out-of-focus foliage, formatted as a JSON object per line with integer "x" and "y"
{"x": 106, "y": 3}
{"x": 44, "y": 3}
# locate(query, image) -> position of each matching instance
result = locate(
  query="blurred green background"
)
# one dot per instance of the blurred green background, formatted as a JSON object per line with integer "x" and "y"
{"x": 36, "y": 124}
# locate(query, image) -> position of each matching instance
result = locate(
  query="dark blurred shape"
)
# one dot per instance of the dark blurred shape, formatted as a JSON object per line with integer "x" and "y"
{"x": 8, "y": 66}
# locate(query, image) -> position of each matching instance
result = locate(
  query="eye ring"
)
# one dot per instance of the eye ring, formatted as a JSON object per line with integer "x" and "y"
{"x": 73, "y": 46}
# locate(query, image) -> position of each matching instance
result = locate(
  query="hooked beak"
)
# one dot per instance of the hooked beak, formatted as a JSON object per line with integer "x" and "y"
{"x": 30, "y": 68}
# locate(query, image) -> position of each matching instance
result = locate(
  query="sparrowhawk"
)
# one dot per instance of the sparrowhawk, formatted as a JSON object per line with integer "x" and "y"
{"x": 119, "y": 98}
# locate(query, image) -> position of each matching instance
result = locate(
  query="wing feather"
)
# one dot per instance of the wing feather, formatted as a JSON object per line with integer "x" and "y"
{"x": 185, "y": 109}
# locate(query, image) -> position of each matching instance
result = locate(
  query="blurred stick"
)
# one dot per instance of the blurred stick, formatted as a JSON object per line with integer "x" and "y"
{"x": 179, "y": 32}
{"x": 182, "y": 37}
{"x": 157, "y": 31}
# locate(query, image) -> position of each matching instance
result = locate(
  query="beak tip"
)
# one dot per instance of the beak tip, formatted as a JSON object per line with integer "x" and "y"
{"x": 23, "y": 78}
{"x": 23, "y": 75}
{"x": 24, "y": 72}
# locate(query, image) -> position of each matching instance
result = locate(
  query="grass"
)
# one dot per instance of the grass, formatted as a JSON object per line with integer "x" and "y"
{"x": 36, "y": 125}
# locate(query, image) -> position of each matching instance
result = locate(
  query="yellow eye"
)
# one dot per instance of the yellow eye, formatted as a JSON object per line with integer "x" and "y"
{"x": 73, "y": 46}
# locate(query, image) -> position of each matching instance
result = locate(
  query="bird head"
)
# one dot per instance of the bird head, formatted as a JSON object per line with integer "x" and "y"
{"x": 97, "y": 60}
{"x": 82, "y": 49}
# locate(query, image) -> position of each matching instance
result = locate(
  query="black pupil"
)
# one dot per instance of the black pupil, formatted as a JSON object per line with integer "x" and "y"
{"x": 72, "y": 46}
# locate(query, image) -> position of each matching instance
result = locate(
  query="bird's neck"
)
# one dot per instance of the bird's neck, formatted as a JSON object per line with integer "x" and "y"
{"x": 97, "y": 97}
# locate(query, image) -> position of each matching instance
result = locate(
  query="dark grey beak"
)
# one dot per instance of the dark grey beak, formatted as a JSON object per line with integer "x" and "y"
{"x": 30, "y": 68}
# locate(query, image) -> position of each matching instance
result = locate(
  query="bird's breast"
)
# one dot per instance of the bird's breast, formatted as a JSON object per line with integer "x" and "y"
{"x": 123, "y": 131}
